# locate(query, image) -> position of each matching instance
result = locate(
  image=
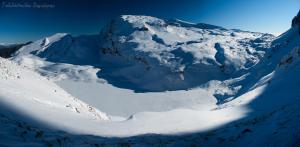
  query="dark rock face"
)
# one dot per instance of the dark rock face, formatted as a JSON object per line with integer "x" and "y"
{"x": 7, "y": 51}
{"x": 296, "y": 21}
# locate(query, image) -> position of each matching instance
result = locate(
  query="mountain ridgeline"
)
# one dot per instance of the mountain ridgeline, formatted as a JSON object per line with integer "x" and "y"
{"x": 296, "y": 21}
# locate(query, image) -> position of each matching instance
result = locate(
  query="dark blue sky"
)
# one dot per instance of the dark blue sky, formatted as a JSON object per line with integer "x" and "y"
{"x": 23, "y": 23}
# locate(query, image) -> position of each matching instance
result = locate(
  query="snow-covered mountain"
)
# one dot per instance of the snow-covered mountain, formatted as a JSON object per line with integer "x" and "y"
{"x": 206, "y": 84}
{"x": 140, "y": 46}
{"x": 185, "y": 54}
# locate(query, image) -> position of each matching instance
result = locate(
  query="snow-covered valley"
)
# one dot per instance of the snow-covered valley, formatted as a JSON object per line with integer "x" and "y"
{"x": 145, "y": 81}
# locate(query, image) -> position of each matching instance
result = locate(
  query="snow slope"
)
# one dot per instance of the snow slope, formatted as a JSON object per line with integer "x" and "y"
{"x": 30, "y": 95}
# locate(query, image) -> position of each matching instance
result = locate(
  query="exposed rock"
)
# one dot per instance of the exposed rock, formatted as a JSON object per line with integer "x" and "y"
{"x": 7, "y": 51}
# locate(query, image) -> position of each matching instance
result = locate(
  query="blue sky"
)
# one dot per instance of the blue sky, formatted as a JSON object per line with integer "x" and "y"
{"x": 21, "y": 24}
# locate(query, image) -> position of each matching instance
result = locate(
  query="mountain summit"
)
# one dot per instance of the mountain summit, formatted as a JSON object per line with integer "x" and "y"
{"x": 181, "y": 52}
{"x": 296, "y": 21}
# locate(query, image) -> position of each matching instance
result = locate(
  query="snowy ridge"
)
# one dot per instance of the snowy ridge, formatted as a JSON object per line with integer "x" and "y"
{"x": 42, "y": 45}
{"x": 54, "y": 56}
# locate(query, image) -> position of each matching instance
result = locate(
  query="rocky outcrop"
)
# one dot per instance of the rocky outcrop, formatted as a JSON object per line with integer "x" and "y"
{"x": 7, "y": 51}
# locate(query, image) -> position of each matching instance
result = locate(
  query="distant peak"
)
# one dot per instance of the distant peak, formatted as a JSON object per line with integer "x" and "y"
{"x": 57, "y": 36}
{"x": 137, "y": 17}
{"x": 60, "y": 35}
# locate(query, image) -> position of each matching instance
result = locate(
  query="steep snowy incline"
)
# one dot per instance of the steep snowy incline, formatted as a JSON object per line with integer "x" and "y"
{"x": 277, "y": 76}
{"x": 280, "y": 47}
{"x": 273, "y": 102}
{"x": 27, "y": 96}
